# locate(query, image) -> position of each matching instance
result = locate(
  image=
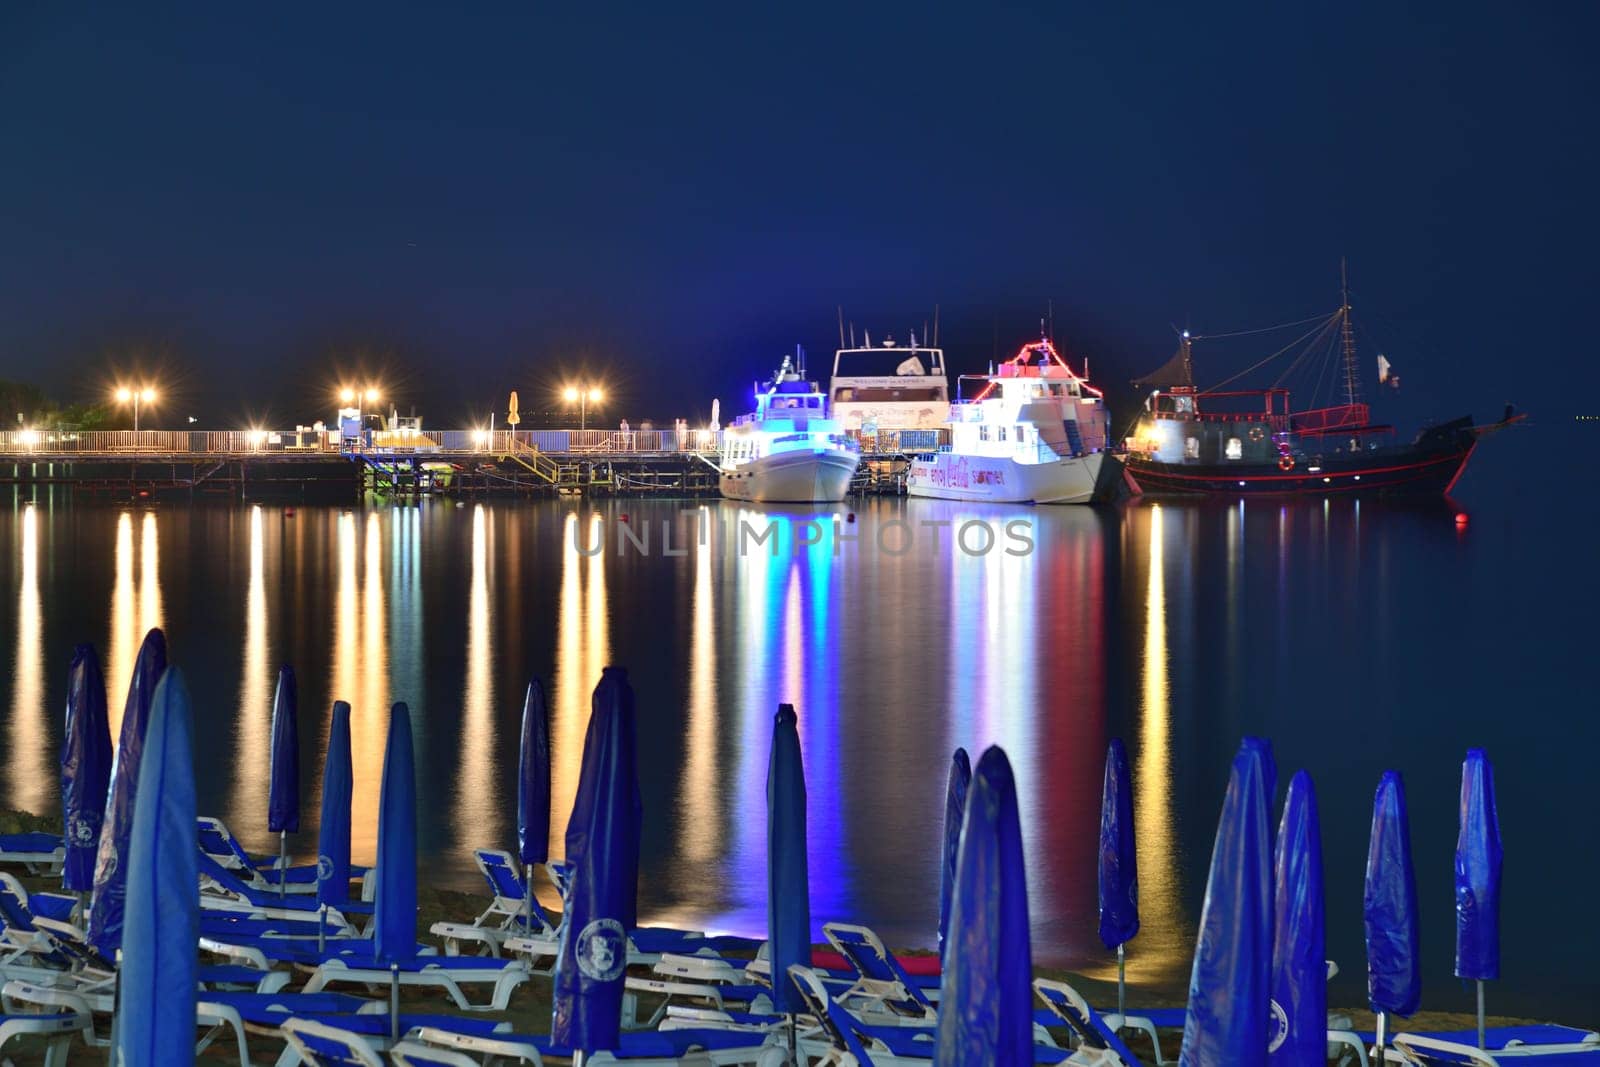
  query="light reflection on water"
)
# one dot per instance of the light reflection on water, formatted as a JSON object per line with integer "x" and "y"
{"x": 28, "y": 757}
{"x": 1175, "y": 627}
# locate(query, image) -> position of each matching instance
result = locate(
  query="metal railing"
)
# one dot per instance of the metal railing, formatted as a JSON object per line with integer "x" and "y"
{"x": 200, "y": 444}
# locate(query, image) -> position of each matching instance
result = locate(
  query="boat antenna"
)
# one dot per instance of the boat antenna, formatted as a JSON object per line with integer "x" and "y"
{"x": 1051, "y": 336}
{"x": 1352, "y": 378}
{"x": 936, "y": 326}
{"x": 841, "y": 325}
{"x": 852, "y": 334}
{"x": 924, "y": 332}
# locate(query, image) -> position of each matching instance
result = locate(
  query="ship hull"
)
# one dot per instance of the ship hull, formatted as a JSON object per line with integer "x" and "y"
{"x": 1072, "y": 480}
{"x": 792, "y": 478}
{"x": 1416, "y": 472}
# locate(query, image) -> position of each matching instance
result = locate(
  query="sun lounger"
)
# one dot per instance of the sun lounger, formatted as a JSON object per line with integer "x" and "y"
{"x": 839, "y": 1032}
{"x": 1424, "y": 1051}
{"x": 508, "y": 913}
{"x": 447, "y": 973}
{"x": 259, "y": 872}
{"x": 648, "y": 1048}
{"x": 57, "y": 1026}
{"x": 360, "y": 1040}
{"x": 38, "y": 853}
{"x": 1098, "y": 1044}
{"x": 881, "y": 988}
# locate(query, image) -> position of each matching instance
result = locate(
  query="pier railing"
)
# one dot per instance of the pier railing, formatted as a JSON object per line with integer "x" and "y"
{"x": 200, "y": 444}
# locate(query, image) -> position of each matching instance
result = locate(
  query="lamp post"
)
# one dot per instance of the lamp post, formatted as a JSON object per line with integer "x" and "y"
{"x": 141, "y": 395}
{"x": 352, "y": 399}
{"x": 583, "y": 396}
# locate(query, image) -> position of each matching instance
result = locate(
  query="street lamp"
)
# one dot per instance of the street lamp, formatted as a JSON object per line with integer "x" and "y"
{"x": 142, "y": 395}
{"x": 583, "y": 396}
{"x": 351, "y": 399}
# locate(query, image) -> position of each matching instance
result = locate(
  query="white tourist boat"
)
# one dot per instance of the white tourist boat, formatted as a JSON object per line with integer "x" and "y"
{"x": 1035, "y": 433}
{"x": 889, "y": 387}
{"x": 788, "y": 449}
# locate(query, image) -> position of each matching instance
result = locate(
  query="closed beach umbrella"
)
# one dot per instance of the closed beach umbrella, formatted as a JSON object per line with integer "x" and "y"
{"x": 395, "y": 910}
{"x": 110, "y": 865}
{"x": 955, "y": 810}
{"x": 986, "y": 984}
{"x": 160, "y": 957}
{"x": 788, "y": 882}
{"x": 603, "y": 858}
{"x": 533, "y": 778}
{"x": 394, "y": 913}
{"x": 333, "y": 828}
{"x": 1394, "y": 968}
{"x": 1229, "y": 988}
{"x": 1119, "y": 866}
{"x": 283, "y": 790}
{"x": 1299, "y": 1035}
{"x": 1478, "y": 861}
{"x": 85, "y": 768}
{"x": 533, "y": 784}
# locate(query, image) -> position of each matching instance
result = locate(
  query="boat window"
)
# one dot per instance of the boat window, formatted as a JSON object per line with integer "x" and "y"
{"x": 1235, "y": 448}
{"x": 1191, "y": 447}
{"x": 889, "y": 394}
{"x": 1002, "y": 430}
{"x": 983, "y": 432}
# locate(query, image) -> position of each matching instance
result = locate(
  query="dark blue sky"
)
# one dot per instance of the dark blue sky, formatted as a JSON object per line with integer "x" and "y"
{"x": 256, "y": 200}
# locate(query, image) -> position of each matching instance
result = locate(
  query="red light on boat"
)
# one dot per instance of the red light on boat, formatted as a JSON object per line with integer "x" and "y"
{"x": 624, "y": 517}
{"x": 1461, "y": 518}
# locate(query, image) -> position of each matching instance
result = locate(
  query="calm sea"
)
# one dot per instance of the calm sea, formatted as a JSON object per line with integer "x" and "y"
{"x": 1357, "y": 635}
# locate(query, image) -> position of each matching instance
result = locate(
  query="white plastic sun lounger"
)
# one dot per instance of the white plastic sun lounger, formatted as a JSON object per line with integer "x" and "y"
{"x": 38, "y": 853}
{"x": 507, "y": 914}
{"x": 666, "y": 1048}
{"x": 59, "y": 1024}
{"x": 446, "y": 973}
{"x": 1421, "y": 1051}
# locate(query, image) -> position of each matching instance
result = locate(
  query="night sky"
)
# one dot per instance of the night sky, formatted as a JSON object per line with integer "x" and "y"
{"x": 250, "y": 205}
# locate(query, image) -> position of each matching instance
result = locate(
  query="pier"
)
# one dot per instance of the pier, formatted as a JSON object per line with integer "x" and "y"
{"x": 243, "y": 464}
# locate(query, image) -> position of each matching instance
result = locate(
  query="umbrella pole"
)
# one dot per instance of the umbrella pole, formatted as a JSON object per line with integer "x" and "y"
{"x": 1481, "y": 1034}
{"x": 322, "y": 928}
{"x": 283, "y": 864}
{"x": 527, "y": 906}
{"x": 1383, "y": 1027}
{"x": 116, "y": 1006}
{"x": 1122, "y": 981}
{"x": 394, "y": 1003}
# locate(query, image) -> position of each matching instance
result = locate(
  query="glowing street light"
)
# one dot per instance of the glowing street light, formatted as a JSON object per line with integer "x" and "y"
{"x": 136, "y": 396}
{"x": 583, "y": 396}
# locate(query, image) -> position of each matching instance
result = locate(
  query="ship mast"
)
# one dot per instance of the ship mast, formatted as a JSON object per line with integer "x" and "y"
{"x": 1352, "y": 379}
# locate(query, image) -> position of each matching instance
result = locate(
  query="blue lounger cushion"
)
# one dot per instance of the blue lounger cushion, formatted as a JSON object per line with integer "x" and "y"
{"x": 32, "y": 842}
{"x": 639, "y": 1044}
{"x": 919, "y": 1041}
{"x": 375, "y": 1024}
{"x": 57, "y": 906}
{"x": 272, "y": 1008}
{"x": 230, "y": 974}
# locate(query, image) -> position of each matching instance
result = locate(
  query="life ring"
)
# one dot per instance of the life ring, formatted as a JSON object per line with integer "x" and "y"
{"x": 1257, "y": 433}
{"x": 1286, "y": 463}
